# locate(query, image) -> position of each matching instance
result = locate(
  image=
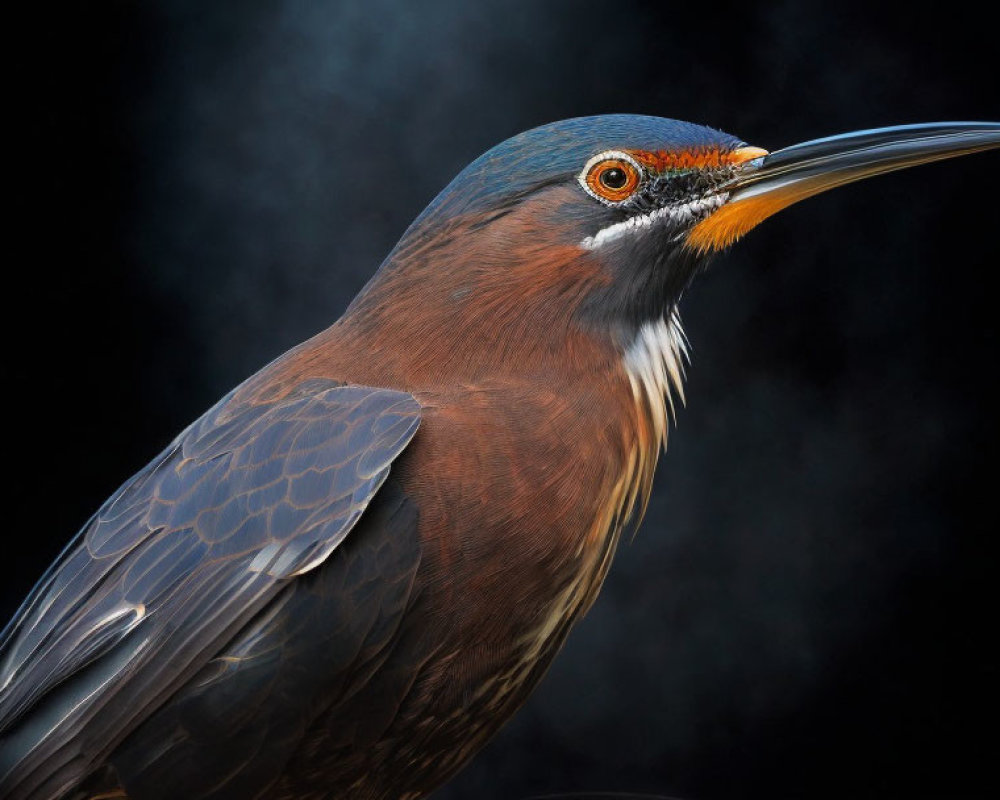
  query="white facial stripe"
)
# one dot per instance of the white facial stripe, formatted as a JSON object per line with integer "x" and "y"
{"x": 679, "y": 213}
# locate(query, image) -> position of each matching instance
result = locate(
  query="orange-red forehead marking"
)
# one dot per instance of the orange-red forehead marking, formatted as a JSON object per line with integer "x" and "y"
{"x": 695, "y": 158}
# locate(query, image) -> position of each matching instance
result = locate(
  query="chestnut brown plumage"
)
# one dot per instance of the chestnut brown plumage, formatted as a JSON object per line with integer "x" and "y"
{"x": 343, "y": 578}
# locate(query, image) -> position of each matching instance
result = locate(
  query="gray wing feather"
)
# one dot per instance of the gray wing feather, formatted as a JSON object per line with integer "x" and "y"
{"x": 181, "y": 557}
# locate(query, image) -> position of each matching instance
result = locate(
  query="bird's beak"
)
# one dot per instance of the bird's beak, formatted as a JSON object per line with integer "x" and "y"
{"x": 765, "y": 184}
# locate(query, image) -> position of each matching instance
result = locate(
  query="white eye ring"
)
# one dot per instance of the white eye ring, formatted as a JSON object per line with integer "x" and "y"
{"x": 617, "y": 155}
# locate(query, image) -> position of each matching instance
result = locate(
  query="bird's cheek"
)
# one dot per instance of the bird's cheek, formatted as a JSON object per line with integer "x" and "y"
{"x": 566, "y": 216}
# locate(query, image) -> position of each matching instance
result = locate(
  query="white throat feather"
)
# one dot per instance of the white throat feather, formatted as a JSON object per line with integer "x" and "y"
{"x": 654, "y": 363}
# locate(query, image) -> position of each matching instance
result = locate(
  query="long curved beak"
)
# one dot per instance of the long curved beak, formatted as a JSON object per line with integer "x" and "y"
{"x": 766, "y": 184}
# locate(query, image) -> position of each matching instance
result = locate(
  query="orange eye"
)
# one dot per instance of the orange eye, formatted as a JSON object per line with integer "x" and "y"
{"x": 611, "y": 177}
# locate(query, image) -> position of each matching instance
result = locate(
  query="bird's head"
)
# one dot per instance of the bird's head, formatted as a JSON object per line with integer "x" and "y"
{"x": 599, "y": 223}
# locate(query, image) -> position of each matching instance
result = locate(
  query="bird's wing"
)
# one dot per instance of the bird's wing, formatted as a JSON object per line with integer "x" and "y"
{"x": 307, "y": 689}
{"x": 182, "y": 556}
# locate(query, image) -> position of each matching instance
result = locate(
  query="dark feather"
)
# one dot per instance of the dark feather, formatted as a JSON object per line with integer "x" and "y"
{"x": 177, "y": 561}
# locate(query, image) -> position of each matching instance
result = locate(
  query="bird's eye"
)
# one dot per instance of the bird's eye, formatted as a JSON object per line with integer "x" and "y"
{"x": 611, "y": 177}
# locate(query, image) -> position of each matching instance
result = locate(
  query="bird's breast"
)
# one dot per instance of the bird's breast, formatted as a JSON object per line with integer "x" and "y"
{"x": 522, "y": 491}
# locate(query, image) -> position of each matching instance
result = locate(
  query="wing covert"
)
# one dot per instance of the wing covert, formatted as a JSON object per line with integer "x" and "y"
{"x": 181, "y": 556}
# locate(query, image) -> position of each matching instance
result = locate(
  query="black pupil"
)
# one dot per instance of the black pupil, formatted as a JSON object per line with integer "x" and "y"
{"x": 614, "y": 178}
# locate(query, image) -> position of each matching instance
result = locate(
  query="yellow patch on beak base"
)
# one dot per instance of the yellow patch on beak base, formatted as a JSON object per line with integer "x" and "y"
{"x": 723, "y": 227}
{"x": 746, "y": 153}
{"x": 748, "y": 210}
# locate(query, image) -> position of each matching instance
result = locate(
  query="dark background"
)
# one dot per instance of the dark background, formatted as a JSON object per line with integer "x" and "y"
{"x": 810, "y": 608}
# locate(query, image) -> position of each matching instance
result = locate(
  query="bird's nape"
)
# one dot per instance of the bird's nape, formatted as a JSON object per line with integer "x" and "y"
{"x": 775, "y": 181}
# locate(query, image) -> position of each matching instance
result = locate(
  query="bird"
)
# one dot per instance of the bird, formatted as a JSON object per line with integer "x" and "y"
{"x": 343, "y": 578}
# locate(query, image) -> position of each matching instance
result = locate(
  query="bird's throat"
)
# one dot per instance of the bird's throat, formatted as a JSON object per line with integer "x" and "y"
{"x": 654, "y": 363}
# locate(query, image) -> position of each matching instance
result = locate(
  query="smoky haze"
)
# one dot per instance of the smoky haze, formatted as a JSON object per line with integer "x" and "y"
{"x": 807, "y": 609}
